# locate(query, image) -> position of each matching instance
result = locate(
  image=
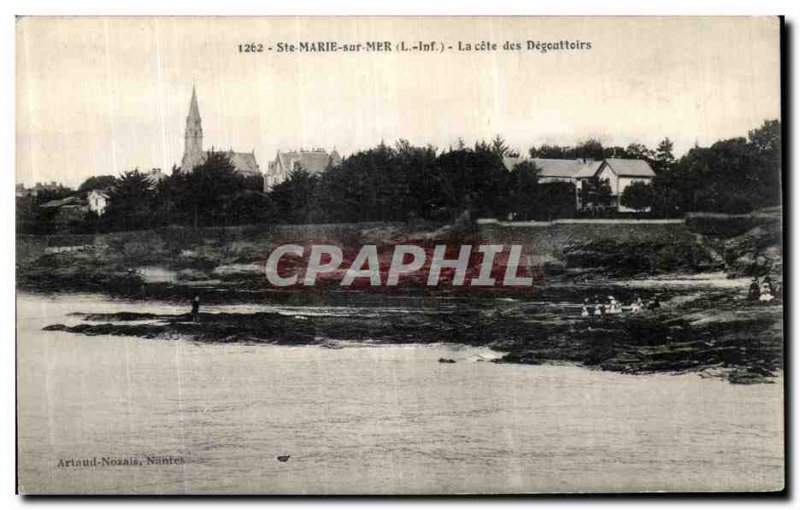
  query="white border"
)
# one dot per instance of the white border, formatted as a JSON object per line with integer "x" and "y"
{"x": 790, "y": 8}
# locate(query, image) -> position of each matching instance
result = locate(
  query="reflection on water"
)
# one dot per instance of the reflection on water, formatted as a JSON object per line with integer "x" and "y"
{"x": 387, "y": 419}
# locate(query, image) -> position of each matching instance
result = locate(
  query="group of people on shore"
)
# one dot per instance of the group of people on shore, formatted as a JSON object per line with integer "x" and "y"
{"x": 764, "y": 291}
{"x": 611, "y": 306}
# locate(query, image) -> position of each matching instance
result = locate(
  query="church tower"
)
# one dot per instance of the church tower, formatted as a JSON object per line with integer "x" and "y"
{"x": 193, "y": 154}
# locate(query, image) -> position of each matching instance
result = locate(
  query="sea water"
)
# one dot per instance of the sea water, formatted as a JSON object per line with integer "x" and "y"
{"x": 366, "y": 419}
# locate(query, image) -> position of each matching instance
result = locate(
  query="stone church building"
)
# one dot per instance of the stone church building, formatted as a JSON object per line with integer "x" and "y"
{"x": 193, "y": 153}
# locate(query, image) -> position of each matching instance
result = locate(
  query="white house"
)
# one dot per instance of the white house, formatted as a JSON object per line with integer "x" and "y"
{"x": 620, "y": 173}
{"x": 98, "y": 201}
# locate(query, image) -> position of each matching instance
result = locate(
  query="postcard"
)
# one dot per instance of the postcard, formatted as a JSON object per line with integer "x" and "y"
{"x": 399, "y": 255}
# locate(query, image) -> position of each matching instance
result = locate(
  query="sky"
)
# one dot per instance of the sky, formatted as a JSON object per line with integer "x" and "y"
{"x": 100, "y": 96}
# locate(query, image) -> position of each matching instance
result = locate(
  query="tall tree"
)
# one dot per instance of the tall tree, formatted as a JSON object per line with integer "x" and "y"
{"x": 549, "y": 152}
{"x": 422, "y": 195}
{"x": 595, "y": 193}
{"x": 97, "y": 182}
{"x": 663, "y": 158}
{"x": 766, "y": 145}
{"x": 204, "y": 192}
{"x": 555, "y": 200}
{"x": 130, "y": 204}
{"x": 293, "y": 198}
{"x": 499, "y": 146}
{"x": 524, "y": 190}
{"x": 591, "y": 148}
{"x": 475, "y": 181}
{"x": 637, "y": 151}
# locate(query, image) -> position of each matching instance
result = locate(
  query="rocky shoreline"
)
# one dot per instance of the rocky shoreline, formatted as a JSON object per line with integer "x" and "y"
{"x": 714, "y": 332}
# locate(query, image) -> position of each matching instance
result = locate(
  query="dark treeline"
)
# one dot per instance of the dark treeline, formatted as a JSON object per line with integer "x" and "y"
{"x": 405, "y": 182}
{"x": 211, "y": 195}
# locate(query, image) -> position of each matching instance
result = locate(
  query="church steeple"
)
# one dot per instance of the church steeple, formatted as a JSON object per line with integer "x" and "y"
{"x": 194, "y": 111}
{"x": 193, "y": 154}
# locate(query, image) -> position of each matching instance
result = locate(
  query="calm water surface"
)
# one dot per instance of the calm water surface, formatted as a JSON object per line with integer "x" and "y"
{"x": 368, "y": 419}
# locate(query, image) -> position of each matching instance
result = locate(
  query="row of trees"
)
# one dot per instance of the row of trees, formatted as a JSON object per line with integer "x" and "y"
{"x": 733, "y": 176}
{"x": 394, "y": 183}
{"x": 403, "y": 182}
{"x": 212, "y": 194}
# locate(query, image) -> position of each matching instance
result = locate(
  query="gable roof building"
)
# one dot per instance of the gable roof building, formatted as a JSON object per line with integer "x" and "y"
{"x": 64, "y": 202}
{"x": 244, "y": 162}
{"x": 551, "y": 170}
{"x": 98, "y": 201}
{"x": 313, "y": 161}
{"x": 618, "y": 172}
{"x": 621, "y": 173}
{"x": 630, "y": 167}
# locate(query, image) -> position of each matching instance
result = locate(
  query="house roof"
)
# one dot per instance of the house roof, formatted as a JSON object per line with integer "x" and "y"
{"x": 312, "y": 161}
{"x": 589, "y": 168}
{"x": 630, "y": 167}
{"x": 243, "y": 162}
{"x": 558, "y": 168}
{"x": 55, "y": 204}
{"x": 583, "y": 168}
{"x": 510, "y": 162}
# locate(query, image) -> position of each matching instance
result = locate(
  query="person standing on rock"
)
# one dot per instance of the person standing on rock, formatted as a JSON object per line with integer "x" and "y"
{"x": 195, "y": 308}
{"x": 755, "y": 290}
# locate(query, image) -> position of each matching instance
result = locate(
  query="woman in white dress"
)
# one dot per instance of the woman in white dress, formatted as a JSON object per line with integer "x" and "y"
{"x": 614, "y": 306}
{"x": 766, "y": 292}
